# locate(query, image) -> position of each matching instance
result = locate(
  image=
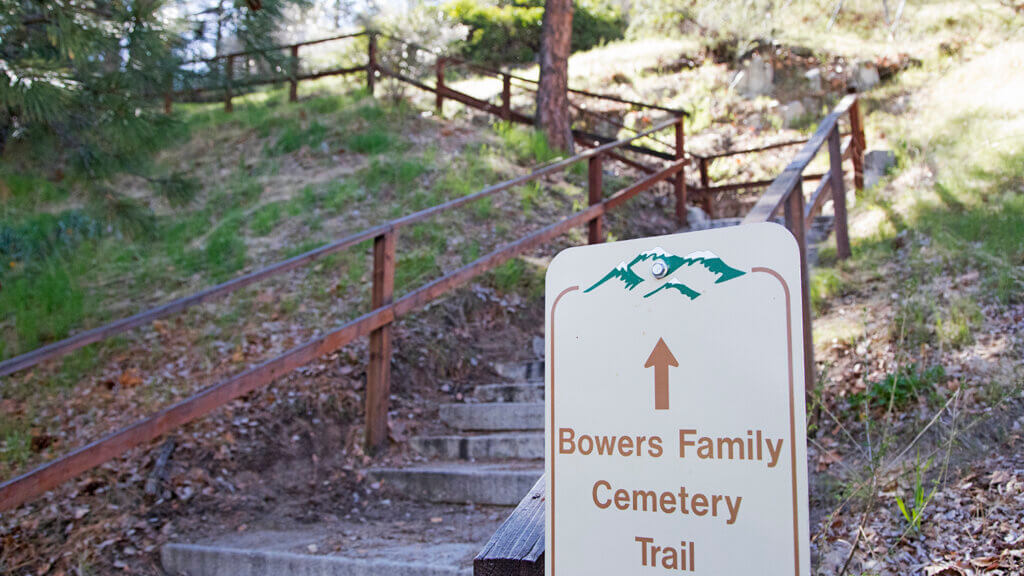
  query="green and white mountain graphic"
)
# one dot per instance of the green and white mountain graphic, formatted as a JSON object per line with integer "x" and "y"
{"x": 632, "y": 274}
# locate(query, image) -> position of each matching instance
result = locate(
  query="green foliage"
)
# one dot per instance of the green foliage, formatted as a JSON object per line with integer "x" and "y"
{"x": 528, "y": 144}
{"x": 295, "y": 136}
{"x": 516, "y": 275}
{"x": 825, "y": 284}
{"x": 77, "y": 93}
{"x": 225, "y": 251}
{"x": 898, "y": 389}
{"x": 512, "y": 32}
{"x": 915, "y": 512}
{"x": 263, "y": 220}
{"x": 46, "y": 301}
{"x": 393, "y": 173}
{"x": 372, "y": 142}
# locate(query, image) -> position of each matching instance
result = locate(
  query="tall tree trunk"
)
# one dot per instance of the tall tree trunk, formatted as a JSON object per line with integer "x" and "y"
{"x": 552, "y": 96}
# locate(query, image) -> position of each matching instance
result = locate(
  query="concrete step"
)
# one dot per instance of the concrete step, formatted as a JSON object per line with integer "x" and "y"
{"x": 494, "y": 416}
{"x": 530, "y": 392}
{"x": 521, "y": 371}
{"x": 199, "y": 560}
{"x": 398, "y": 539}
{"x": 497, "y": 484}
{"x": 509, "y": 446}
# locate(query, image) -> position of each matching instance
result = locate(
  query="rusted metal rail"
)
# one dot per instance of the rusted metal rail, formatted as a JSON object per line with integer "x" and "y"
{"x": 376, "y": 324}
{"x": 517, "y": 547}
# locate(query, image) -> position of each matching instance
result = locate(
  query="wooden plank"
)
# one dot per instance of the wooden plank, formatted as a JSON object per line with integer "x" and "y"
{"x": 378, "y": 372}
{"x": 47, "y": 476}
{"x": 835, "y": 156}
{"x": 705, "y": 183}
{"x": 630, "y": 147}
{"x": 439, "y": 85}
{"x": 293, "y": 85}
{"x": 679, "y": 184}
{"x": 859, "y": 144}
{"x": 794, "y": 210}
{"x": 229, "y": 72}
{"x": 506, "y": 97}
{"x": 595, "y": 195}
{"x": 517, "y": 547}
{"x": 818, "y": 197}
{"x": 371, "y": 63}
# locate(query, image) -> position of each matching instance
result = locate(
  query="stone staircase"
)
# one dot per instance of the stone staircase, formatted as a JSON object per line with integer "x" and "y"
{"x": 489, "y": 455}
{"x": 495, "y": 450}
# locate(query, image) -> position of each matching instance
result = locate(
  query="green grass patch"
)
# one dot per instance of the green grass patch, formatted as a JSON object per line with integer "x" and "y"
{"x": 374, "y": 141}
{"x": 340, "y": 195}
{"x": 294, "y": 136}
{"x": 528, "y": 144}
{"x": 825, "y": 284}
{"x": 397, "y": 173}
{"x": 225, "y": 252}
{"x": 900, "y": 388}
{"x": 516, "y": 275}
{"x": 265, "y": 219}
{"x": 46, "y": 301}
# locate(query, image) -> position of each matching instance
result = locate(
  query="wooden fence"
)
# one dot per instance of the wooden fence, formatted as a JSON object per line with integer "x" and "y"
{"x": 377, "y": 323}
{"x": 517, "y": 547}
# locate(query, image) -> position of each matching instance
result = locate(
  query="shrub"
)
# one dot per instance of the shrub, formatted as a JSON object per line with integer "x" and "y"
{"x": 512, "y": 32}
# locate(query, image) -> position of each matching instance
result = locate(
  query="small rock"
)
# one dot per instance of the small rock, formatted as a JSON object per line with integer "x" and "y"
{"x": 876, "y": 165}
{"x": 756, "y": 79}
{"x": 813, "y": 77}
{"x": 791, "y": 113}
{"x": 833, "y": 557}
{"x": 865, "y": 76}
{"x": 697, "y": 219}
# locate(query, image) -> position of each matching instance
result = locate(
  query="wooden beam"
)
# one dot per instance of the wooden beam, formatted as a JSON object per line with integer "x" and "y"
{"x": 517, "y": 547}
{"x": 595, "y": 194}
{"x": 378, "y": 372}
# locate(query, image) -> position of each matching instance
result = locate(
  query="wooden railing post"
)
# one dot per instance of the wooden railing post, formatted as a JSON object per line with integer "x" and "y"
{"x": 293, "y": 88}
{"x": 835, "y": 158}
{"x": 794, "y": 208}
{"x": 378, "y": 373}
{"x": 371, "y": 63}
{"x": 595, "y": 193}
{"x": 506, "y": 97}
{"x": 439, "y": 86}
{"x": 229, "y": 73}
{"x": 857, "y": 145}
{"x": 680, "y": 181}
{"x": 705, "y": 184}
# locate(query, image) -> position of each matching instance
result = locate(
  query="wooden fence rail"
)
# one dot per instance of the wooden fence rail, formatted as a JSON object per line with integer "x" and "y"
{"x": 517, "y": 547}
{"x": 376, "y": 324}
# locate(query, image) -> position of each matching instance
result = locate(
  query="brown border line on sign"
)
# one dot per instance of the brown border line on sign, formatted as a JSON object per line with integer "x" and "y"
{"x": 792, "y": 418}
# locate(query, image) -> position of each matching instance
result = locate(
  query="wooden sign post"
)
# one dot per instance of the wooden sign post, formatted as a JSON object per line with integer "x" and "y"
{"x": 675, "y": 416}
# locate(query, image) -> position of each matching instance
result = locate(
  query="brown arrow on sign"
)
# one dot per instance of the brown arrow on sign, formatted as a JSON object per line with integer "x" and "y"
{"x": 661, "y": 358}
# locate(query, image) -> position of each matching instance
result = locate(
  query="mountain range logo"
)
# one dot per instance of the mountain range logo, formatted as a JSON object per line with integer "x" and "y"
{"x": 630, "y": 275}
